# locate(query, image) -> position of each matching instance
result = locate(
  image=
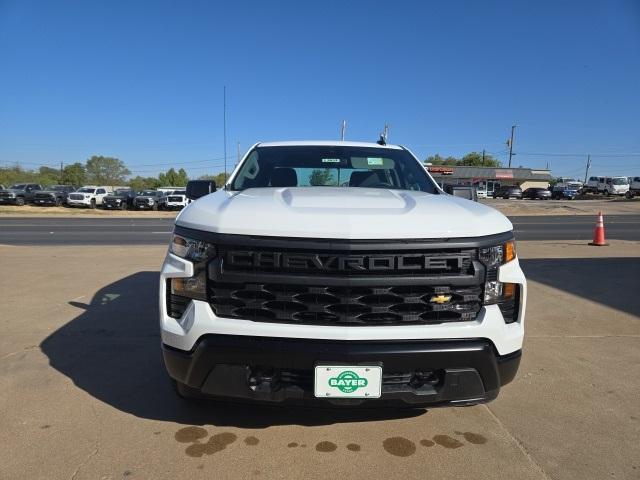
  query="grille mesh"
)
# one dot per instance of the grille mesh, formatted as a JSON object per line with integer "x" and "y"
{"x": 347, "y": 306}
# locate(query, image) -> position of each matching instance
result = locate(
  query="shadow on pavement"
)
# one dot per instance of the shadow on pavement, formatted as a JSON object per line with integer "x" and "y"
{"x": 614, "y": 282}
{"x": 112, "y": 352}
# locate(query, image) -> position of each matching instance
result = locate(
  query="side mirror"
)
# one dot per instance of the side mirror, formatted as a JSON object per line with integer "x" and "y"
{"x": 200, "y": 188}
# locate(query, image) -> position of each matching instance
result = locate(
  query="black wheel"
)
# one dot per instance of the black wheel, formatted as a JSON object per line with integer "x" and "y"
{"x": 123, "y": 206}
{"x": 20, "y": 201}
{"x": 92, "y": 205}
{"x": 58, "y": 202}
{"x": 155, "y": 207}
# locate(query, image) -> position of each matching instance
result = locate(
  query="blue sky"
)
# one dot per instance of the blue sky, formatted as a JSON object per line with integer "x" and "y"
{"x": 143, "y": 80}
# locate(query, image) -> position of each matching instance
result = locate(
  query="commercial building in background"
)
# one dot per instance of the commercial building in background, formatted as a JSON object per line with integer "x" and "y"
{"x": 490, "y": 178}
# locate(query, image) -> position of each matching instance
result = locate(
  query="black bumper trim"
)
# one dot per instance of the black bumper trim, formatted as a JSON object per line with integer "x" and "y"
{"x": 220, "y": 366}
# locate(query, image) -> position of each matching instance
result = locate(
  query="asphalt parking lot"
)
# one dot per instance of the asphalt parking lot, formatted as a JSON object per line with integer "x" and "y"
{"x": 83, "y": 393}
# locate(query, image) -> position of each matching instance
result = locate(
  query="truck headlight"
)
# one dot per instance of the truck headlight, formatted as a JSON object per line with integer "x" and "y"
{"x": 492, "y": 258}
{"x": 191, "y": 249}
{"x": 194, "y": 287}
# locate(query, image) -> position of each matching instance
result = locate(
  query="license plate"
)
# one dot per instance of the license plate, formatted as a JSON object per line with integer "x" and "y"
{"x": 341, "y": 381}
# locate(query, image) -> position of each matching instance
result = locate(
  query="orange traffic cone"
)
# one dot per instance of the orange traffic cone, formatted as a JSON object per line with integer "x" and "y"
{"x": 598, "y": 233}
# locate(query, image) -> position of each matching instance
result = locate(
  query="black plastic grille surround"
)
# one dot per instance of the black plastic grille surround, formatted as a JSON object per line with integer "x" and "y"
{"x": 347, "y": 306}
{"x": 347, "y": 285}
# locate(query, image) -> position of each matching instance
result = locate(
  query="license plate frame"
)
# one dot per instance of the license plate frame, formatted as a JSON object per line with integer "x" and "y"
{"x": 346, "y": 381}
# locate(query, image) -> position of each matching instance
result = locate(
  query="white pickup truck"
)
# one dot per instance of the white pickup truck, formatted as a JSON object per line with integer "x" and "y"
{"x": 89, "y": 196}
{"x": 339, "y": 273}
{"x": 175, "y": 200}
{"x": 634, "y": 188}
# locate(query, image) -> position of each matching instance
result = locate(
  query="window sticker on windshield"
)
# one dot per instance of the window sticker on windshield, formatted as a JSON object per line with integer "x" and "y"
{"x": 330, "y": 160}
{"x": 375, "y": 161}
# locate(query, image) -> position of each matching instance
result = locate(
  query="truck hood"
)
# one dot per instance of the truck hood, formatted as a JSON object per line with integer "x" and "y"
{"x": 340, "y": 212}
{"x": 11, "y": 190}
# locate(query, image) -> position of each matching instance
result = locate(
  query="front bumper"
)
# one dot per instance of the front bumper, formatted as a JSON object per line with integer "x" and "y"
{"x": 79, "y": 203}
{"x": 280, "y": 370}
{"x": 44, "y": 201}
{"x": 143, "y": 206}
{"x": 7, "y": 200}
{"x": 216, "y": 356}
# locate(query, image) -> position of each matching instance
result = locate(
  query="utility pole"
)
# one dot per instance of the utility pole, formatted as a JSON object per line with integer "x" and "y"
{"x": 343, "y": 129}
{"x": 513, "y": 128}
{"x": 483, "y": 157}
{"x": 586, "y": 172}
{"x": 224, "y": 127}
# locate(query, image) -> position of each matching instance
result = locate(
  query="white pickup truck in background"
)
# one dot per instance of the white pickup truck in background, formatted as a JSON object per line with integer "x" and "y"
{"x": 88, "y": 196}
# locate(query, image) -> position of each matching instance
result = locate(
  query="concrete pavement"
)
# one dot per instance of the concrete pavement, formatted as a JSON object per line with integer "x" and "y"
{"x": 83, "y": 394}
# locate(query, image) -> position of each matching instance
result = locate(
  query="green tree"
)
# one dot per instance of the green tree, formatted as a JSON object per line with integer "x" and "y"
{"x": 139, "y": 183}
{"x": 173, "y": 179}
{"x": 321, "y": 177}
{"x": 74, "y": 174}
{"x": 48, "y": 176}
{"x": 439, "y": 160}
{"x": 474, "y": 159}
{"x": 106, "y": 170}
{"x": 220, "y": 178}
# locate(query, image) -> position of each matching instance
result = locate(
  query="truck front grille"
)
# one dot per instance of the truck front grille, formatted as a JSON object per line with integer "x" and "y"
{"x": 43, "y": 196}
{"x": 74, "y": 196}
{"x": 346, "y": 306}
{"x": 345, "y": 282}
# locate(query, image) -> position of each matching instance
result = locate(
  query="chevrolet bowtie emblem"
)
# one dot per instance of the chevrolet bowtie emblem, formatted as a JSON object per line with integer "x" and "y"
{"x": 440, "y": 299}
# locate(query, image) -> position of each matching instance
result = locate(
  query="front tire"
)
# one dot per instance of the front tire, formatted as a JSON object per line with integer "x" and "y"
{"x": 92, "y": 205}
{"x": 20, "y": 201}
{"x": 58, "y": 202}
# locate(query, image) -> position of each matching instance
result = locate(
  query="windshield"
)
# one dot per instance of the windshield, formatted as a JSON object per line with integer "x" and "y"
{"x": 122, "y": 191}
{"x": 179, "y": 192}
{"x": 87, "y": 190}
{"x": 19, "y": 186}
{"x": 620, "y": 181}
{"x": 149, "y": 193}
{"x": 332, "y": 166}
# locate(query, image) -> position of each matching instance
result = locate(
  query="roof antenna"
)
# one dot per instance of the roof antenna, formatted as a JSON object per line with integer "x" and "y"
{"x": 384, "y": 135}
{"x": 343, "y": 129}
{"x": 224, "y": 114}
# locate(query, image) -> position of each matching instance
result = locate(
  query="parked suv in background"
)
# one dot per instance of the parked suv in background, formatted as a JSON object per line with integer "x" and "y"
{"x": 536, "y": 193}
{"x": 19, "y": 194}
{"x": 120, "y": 199}
{"x": 507, "y": 191}
{"x": 89, "y": 196}
{"x": 55, "y": 195}
{"x": 339, "y": 273}
{"x": 147, "y": 200}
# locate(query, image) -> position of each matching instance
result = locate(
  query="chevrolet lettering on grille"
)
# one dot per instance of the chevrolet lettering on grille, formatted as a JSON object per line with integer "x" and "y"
{"x": 320, "y": 262}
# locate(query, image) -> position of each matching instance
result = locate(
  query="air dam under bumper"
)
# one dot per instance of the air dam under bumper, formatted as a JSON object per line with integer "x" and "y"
{"x": 416, "y": 373}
